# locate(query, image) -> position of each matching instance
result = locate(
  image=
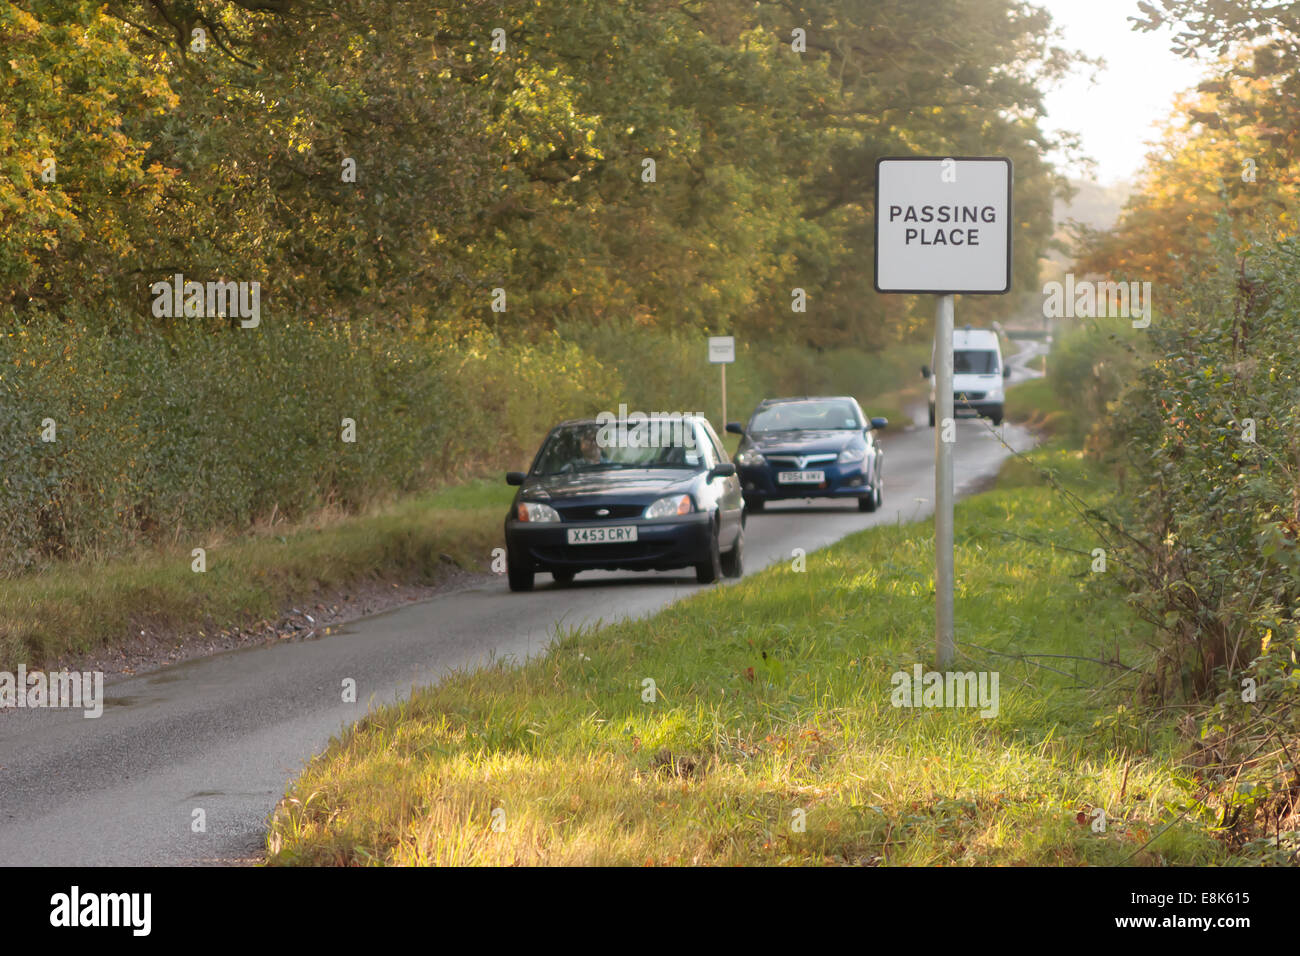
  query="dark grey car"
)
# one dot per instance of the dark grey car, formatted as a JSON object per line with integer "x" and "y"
{"x": 601, "y": 497}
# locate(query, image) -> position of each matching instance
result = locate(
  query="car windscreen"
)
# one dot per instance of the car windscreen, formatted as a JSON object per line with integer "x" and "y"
{"x": 590, "y": 447}
{"x": 835, "y": 413}
{"x": 974, "y": 362}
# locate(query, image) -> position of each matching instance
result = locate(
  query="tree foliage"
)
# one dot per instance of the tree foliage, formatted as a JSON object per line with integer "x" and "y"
{"x": 1229, "y": 151}
{"x": 501, "y": 144}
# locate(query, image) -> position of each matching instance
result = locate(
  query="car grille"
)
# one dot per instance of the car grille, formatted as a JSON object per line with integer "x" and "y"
{"x": 588, "y": 512}
{"x": 598, "y": 553}
{"x": 791, "y": 461}
{"x": 968, "y": 396}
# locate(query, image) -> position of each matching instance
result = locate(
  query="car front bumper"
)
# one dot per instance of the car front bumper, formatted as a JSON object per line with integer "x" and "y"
{"x": 841, "y": 481}
{"x": 661, "y": 544}
{"x": 985, "y": 408}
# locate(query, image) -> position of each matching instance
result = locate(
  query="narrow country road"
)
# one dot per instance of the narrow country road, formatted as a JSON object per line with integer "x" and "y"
{"x": 225, "y": 734}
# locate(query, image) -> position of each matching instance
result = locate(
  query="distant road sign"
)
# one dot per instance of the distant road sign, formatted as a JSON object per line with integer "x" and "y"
{"x": 943, "y": 224}
{"x": 722, "y": 348}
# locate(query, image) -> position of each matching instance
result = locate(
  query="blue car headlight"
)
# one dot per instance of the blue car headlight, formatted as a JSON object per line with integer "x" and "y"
{"x": 850, "y": 455}
{"x": 750, "y": 458}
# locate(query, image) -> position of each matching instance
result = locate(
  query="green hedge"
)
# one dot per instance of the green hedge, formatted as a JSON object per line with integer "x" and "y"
{"x": 157, "y": 436}
{"x": 160, "y": 436}
{"x": 1206, "y": 436}
{"x": 1089, "y": 366}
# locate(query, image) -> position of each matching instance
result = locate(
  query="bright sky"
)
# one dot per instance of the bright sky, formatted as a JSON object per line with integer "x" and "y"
{"x": 1135, "y": 90}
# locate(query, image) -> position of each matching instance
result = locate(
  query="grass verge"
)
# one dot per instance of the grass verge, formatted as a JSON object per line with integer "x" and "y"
{"x": 771, "y": 737}
{"x": 80, "y": 607}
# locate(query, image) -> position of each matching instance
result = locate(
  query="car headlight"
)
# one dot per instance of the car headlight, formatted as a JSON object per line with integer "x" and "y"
{"x": 536, "y": 511}
{"x": 749, "y": 458}
{"x": 670, "y": 507}
{"x": 850, "y": 455}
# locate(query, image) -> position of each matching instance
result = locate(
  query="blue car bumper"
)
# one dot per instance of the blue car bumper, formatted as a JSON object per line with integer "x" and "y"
{"x": 841, "y": 481}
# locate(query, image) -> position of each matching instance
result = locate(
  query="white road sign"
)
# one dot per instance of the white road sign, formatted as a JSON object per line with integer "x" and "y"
{"x": 722, "y": 348}
{"x": 943, "y": 224}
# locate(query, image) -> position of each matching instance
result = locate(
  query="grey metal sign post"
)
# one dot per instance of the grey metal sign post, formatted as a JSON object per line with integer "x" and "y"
{"x": 944, "y": 570}
{"x": 722, "y": 352}
{"x": 943, "y": 226}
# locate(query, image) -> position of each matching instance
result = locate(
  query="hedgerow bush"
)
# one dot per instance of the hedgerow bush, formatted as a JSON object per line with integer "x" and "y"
{"x": 666, "y": 371}
{"x": 1208, "y": 432}
{"x": 159, "y": 434}
{"x": 1090, "y": 364}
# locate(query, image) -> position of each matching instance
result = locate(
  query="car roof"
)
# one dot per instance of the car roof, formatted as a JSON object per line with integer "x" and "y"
{"x": 808, "y": 398}
{"x": 650, "y": 416}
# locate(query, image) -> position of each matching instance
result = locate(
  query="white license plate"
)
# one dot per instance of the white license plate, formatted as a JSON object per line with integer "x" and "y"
{"x": 800, "y": 477}
{"x": 615, "y": 535}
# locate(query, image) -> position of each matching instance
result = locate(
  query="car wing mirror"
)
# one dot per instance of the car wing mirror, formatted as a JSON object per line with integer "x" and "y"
{"x": 1006, "y": 371}
{"x": 925, "y": 371}
{"x": 879, "y": 423}
{"x": 735, "y": 428}
{"x": 515, "y": 477}
{"x": 724, "y": 470}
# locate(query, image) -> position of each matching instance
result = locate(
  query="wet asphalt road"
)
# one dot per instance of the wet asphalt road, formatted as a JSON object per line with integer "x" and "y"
{"x": 225, "y": 734}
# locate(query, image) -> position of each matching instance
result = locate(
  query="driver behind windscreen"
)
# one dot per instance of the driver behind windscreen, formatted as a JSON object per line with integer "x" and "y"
{"x": 592, "y": 453}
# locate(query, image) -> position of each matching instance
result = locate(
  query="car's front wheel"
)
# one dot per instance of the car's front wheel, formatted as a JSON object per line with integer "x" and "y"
{"x": 710, "y": 569}
{"x": 520, "y": 577}
{"x": 563, "y": 577}
{"x": 755, "y": 504}
{"x": 733, "y": 562}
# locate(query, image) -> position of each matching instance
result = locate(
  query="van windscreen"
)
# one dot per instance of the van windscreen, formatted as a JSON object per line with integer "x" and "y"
{"x": 974, "y": 362}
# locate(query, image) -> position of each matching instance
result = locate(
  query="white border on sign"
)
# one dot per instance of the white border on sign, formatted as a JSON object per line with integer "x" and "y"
{"x": 1006, "y": 286}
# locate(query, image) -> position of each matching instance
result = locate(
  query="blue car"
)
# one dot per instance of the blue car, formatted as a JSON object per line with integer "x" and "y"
{"x": 810, "y": 448}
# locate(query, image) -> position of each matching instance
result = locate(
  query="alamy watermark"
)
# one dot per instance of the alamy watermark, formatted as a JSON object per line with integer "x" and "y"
{"x": 1088, "y": 299}
{"x": 642, "y": 430}
{"x": 54, "y": 690}
{"x": 124, "y": 910}
{"x": 949, "y": 689}
{"x": 182, "y": 298}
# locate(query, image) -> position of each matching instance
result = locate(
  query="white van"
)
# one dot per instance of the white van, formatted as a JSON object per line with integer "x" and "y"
{"x": 977, "y": 374}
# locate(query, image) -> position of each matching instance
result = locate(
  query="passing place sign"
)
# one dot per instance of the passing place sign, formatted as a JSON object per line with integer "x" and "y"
{"x": 722, "y": 349}
{"x": 943, "y": 224}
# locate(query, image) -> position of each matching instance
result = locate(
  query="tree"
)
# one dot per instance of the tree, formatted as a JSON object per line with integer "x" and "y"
{"x": 395, "y": 160}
